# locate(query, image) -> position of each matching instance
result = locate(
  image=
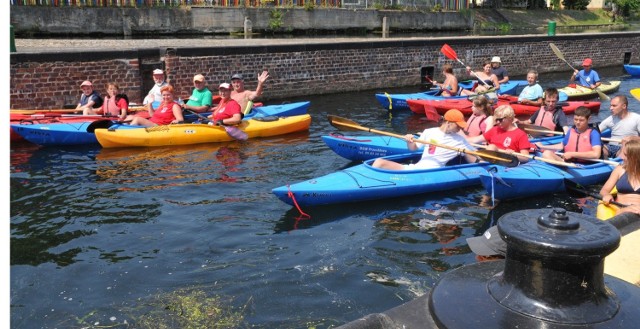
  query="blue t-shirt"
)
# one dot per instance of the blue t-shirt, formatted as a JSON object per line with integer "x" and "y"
{"x": 531, "y": 93}
{"x": 589, "y": 79}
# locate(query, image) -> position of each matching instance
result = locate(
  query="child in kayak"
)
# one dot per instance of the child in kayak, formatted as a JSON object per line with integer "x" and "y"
{"x": 580, "y": 142}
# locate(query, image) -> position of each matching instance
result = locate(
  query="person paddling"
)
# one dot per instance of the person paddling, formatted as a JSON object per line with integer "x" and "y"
{"x": 550, "y": 115}
{"x": 228, "y": 111}
{"x": 622, "y": 123}
{"x": 486, "y": 80}
{"x": 481, "y": 119}
{"x": 450, "y": 85}
{"x": 586, "y": 77}
{"x": 532, "y": 93}
{"x": 580, "y": 142}
{"x": 505, "y": 135}
{"x": 432, "y": 156}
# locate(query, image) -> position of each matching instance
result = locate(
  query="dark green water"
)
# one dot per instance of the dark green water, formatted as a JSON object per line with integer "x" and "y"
{"x": 98, "y": 234}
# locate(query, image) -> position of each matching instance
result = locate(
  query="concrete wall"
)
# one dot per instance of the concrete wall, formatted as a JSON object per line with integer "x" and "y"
{"x": 216, "y": 20}
{"x": 51, "y": 80}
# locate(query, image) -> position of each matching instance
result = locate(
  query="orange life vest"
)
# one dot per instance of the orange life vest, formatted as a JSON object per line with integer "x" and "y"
{"x": 579, "y": 142}
{"x": 545, "y": 119}
{"x": 475, "y": 127}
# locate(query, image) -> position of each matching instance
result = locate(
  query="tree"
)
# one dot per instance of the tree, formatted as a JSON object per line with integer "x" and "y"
{"x": 576, "y": 4}
{"x": 626, "y": 6}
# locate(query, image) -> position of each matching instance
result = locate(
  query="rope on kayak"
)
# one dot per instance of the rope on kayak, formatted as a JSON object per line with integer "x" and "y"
{"x": 303, "y": 215}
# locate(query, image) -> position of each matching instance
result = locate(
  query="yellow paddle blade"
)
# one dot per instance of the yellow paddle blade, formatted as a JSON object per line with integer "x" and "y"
{"x": 635, "y": 93}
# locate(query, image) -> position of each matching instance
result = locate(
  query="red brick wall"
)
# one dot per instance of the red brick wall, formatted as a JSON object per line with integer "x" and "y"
{"x": 300, "y": 70}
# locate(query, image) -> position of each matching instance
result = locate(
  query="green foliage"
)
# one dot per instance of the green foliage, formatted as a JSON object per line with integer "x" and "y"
{"x": 188, "y": 309}
{"x": 310, "y": 5}
{"x": 275, "y": 18}
{"x": 437, "y": 7}
{"x": 627, "y": 6}
{"x": 575, "y": 4}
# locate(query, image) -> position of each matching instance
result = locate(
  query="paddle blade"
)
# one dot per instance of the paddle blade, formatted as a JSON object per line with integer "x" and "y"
{"x": 449, "y": 52}
{"x": 538, "y": 131}
{"x": 431, "y": 113}
{"x": 603, "y": 96}
{"x": 502, "y": 159}
{"x": 635, "y": 93}
{"x": 344, "y": 123}
{"x": 236, "y": 133}
{"x": 556, "y": 51}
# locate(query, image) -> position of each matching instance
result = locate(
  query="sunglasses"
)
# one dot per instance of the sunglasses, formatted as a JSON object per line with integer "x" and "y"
{"x": 499, "y": 120}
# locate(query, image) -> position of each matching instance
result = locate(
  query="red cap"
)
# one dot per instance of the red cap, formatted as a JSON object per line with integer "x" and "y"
{"x": 587, "y": 62}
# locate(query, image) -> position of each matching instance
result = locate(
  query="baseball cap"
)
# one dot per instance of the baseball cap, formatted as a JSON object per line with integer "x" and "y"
{"x": 488, "y": 244}
{"x": 158, "y": 71}
{"x": 198, "y": 77}
{"x": 587, "y": 62}
{"x": 237, "y": 76}
{"x": 224, "y": 86}
{"x": 495, "y": 59}
{"x": 455, "y": 116}
{"x": 86, "y": 83}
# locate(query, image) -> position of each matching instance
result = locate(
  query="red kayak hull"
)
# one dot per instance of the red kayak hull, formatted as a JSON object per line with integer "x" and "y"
{"x": 463, "y": 105}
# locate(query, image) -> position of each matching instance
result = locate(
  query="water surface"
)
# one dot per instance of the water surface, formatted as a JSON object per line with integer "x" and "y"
{"x": 98, "y": 234}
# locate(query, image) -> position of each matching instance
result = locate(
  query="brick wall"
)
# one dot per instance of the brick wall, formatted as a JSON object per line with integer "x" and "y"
{"x": 45, "y": 81}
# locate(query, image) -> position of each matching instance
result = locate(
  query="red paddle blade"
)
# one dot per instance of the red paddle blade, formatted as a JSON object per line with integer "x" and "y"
{"x": 432, "y": 114}
{"x": 449, "y": 52}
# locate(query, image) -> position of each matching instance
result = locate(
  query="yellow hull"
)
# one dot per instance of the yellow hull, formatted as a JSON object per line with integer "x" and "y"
{"x": 584, "y": 92}
{"x": 624, "y": 263}
{"x": 186, "y": 134}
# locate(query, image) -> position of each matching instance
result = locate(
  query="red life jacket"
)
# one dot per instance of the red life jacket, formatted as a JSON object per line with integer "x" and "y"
{"x": 579, "y": 142}
{"x": 475, "y": 127}
{"x": 545, "y": 119}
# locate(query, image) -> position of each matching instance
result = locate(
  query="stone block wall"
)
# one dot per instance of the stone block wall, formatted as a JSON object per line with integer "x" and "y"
{"x": 46, "y": 81}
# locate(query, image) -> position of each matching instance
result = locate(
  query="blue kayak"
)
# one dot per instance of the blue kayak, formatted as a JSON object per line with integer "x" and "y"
{"x": 360, "y": 148}
{"x": 538, "y": 178}
{"x": 399, "y": 101}
{"x": 75, "y": 133}
{"x": 365, "y": 183}
{"x": 632, "y": 69}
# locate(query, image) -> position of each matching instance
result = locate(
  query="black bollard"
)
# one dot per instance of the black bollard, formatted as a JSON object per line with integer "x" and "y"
{"x": 552, "y": 277}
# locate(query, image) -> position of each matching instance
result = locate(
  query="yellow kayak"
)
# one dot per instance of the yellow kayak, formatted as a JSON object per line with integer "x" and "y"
{"x": 624, "y": 263}
{"x": 195, "y": 133}
{"x": 580, "y": 92}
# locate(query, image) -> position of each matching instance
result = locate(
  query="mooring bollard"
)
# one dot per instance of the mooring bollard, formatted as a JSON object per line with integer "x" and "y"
{"x": 553, "y": 275}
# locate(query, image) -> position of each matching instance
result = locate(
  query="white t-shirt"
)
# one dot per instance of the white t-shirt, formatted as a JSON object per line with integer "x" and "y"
{"x": 630, "y": 126}
{"x": 436, "y": 157}
{"x": 154, "y": 94}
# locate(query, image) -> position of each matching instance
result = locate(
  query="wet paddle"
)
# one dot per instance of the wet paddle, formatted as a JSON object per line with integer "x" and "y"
{"x": 487, "y": 155}
{"x": 233, "y": 131}
{"x": 635, "y": 93}
{"x": 103, "y": 124}
{"x": 451, "y": 54}
{"x": 535, "y": 157}
{"x": 573, "y": 186}
{"x": 559, "y": 54}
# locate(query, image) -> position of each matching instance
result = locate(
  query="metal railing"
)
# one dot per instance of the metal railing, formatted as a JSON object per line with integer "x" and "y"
{"x": 178, "y": 3}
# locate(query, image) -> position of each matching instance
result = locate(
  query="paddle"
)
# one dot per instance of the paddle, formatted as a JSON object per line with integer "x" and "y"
{"x": 635, "y": 93}
{"x": 543, "y": 131}
{"x": 233, "y": 131}
{"x": 451, "y": 54}
{"x": 535, "y": 157}
{"x": 573, "y": 186}
{"x": 103, "y": 124}
{"x": 559, "y": 54}
{"x": 489, "y": 156}
{"x": 609, "y": 162}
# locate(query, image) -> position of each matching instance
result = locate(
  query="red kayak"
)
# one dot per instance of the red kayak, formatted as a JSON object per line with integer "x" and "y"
{"x": 428, "y": 106}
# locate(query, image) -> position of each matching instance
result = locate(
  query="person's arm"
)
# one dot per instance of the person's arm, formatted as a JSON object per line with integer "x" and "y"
{"x": 496, "y": 83}
{"x": 605, "y": 191}
{"x": 505, "y": 76}
{"x": 123, "y": 106}
{"x": 261, "y": 80}
{"x": 552, "y": 147}
{"x": 177, "y": 113}
{"x": 596, "y": 79}
{"x": 574, "y": 75}
{"x": 480, "y": 139}
{"x": 488, "y": 122}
